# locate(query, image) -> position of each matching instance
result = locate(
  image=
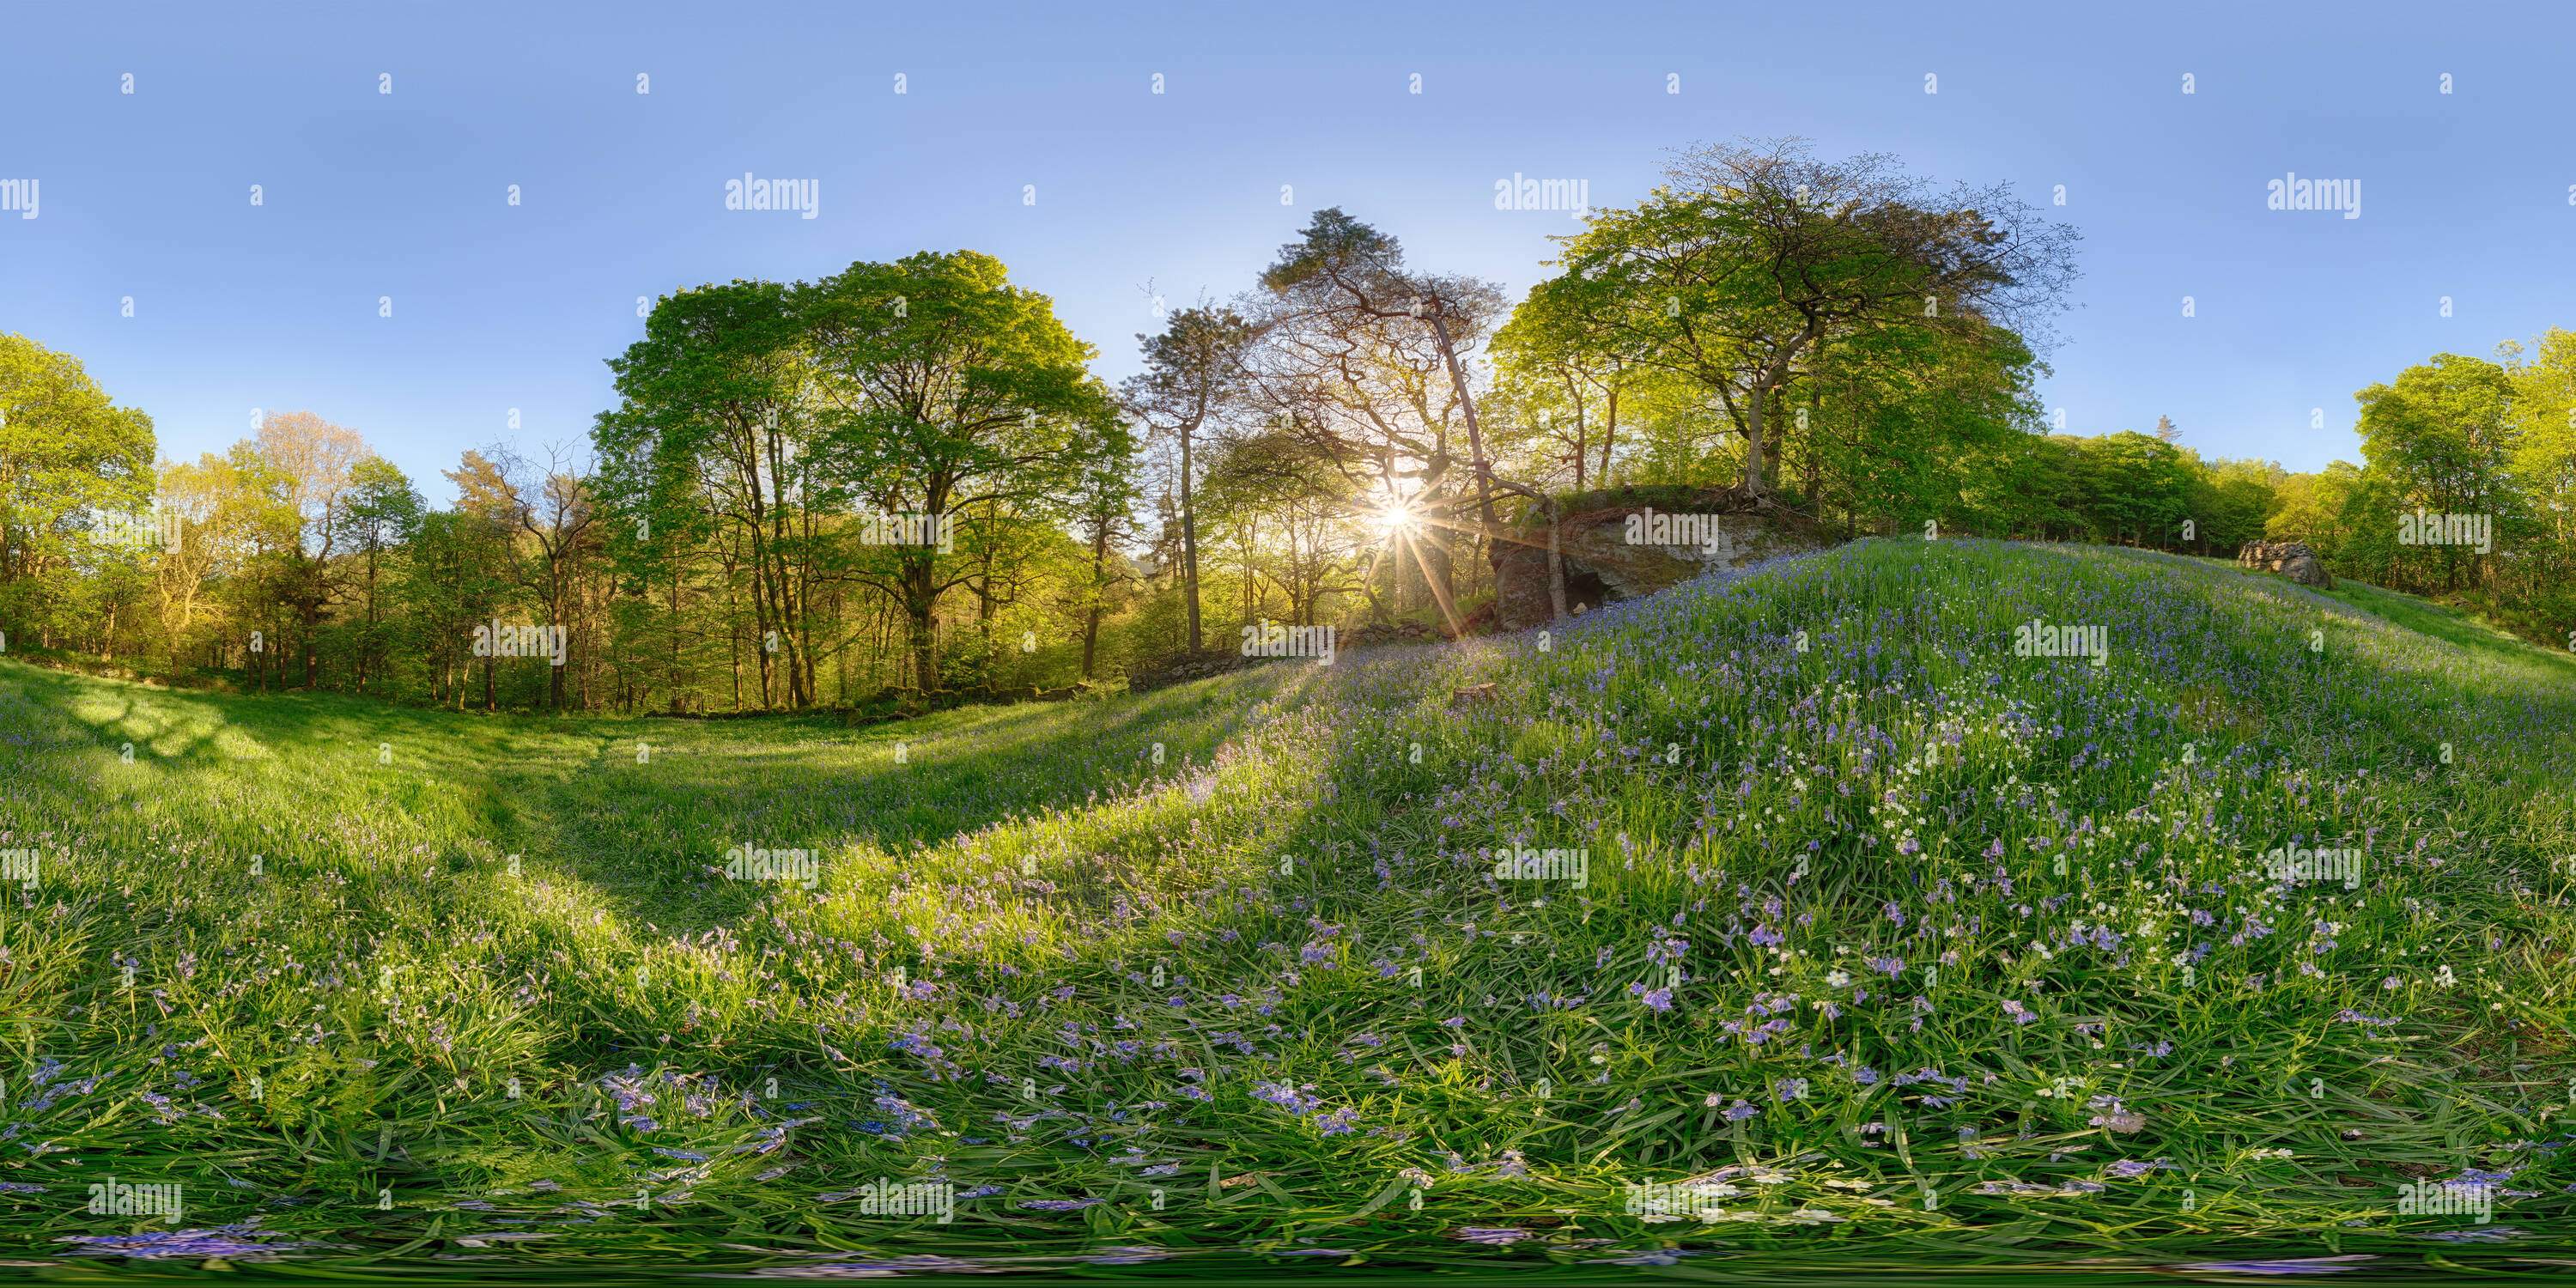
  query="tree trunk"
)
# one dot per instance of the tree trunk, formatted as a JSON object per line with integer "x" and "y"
{"x": 1609, "y": 433}
{"x": 1753, "y": 440}
{"x": 1555, "y": 564}
{"x": 919, "y": 603}
{"x": 1440, "y": 573}
{"x": 1475, "y": 446}
{"x": 1189, "y": 549}
{"x": 366, "y": 651}
{"x": 1100, "y": 561}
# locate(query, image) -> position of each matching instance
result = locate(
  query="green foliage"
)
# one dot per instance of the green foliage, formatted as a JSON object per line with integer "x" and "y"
{"x": 1760, "y": 269}
{"x": 68, "y": 455}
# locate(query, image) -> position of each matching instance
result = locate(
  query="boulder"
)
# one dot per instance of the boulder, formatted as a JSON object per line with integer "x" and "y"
{"x": 2306, "y": 571}
{"x": 1602, "y": 567}
{"x": 2290, "y": 559}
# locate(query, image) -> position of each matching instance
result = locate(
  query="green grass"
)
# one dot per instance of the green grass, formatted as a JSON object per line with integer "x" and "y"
{"x": 2425, "y": 617}
{"x": 446, "y": 909}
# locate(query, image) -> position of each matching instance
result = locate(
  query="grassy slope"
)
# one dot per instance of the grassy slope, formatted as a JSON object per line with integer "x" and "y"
{"x": 1232, "y": 934}
{"x": 2426, "y": 617}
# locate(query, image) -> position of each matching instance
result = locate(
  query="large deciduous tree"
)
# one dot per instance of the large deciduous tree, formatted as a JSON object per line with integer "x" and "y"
{"x": 1756, "y": 255}
{"x": 2442, "y": 436}
{"x": 1367, "y": 359}
{"x": 942, "y": 390}
{"x": 716, "y": 417}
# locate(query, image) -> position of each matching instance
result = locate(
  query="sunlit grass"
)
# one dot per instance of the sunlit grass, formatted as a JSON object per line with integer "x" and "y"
{"x": 445, "y": 904}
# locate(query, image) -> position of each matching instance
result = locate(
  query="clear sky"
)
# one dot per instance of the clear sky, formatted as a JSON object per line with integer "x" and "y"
{"x": 369, "y": 195}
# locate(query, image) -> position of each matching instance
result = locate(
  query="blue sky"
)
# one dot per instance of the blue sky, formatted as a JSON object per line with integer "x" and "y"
{"x": 368, "y": 195}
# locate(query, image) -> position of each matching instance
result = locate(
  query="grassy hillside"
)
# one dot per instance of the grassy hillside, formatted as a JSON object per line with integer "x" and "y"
{"x": 2442, "y": 622}
{"x": 1925, "y": 953}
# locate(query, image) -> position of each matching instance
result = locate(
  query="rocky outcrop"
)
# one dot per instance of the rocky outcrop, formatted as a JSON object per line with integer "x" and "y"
{"x": 1624, "y": 545}
{"x": 2291, "y": 559}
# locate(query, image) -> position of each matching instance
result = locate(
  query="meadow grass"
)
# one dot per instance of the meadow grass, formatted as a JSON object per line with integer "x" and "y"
{"x": 1918, "y": 952}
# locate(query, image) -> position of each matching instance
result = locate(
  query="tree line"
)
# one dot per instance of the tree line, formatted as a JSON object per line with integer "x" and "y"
{"x": 905, "y": 479}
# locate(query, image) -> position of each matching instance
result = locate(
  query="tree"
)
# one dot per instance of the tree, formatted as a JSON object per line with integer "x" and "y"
{"x": 550, "y": 506}
{"x": 1012, "y": 556}
{"x": 2309, "y": 507}
{"x": 269, "y": 563}
{"x": 1756, "y": 254}
{"x": 2442, "y": 437}
{"x": 382, "y": 514}
{"x": 313, "y": 457}
{"x": 1194, "y": 374}
{"x": 473, "y": 558}
{"x": 2231, "y": 499}
{"x": 1366, "y": 358}
{"x": 66, "y": 452}
{"x": 1905, "y": 422}
{"x": 717, "y": 410}
{"x": 227, "y": 508}
{"x": 459, "y": 573}
{"x": 1105, "y": 508}
{"x": 1566, "y": 393}
{"x": 2133, "y": 486}
{"x": 2543, "y": 468}
{"x": 945, "y": 388}
{"x": 1309, "y": 507}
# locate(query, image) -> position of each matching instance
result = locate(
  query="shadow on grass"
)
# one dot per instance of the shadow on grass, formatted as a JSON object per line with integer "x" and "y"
{"x": 650, "y": 831}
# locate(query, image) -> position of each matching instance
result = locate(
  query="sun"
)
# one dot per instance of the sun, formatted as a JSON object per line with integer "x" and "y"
{"x": 1391, "y": 520}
